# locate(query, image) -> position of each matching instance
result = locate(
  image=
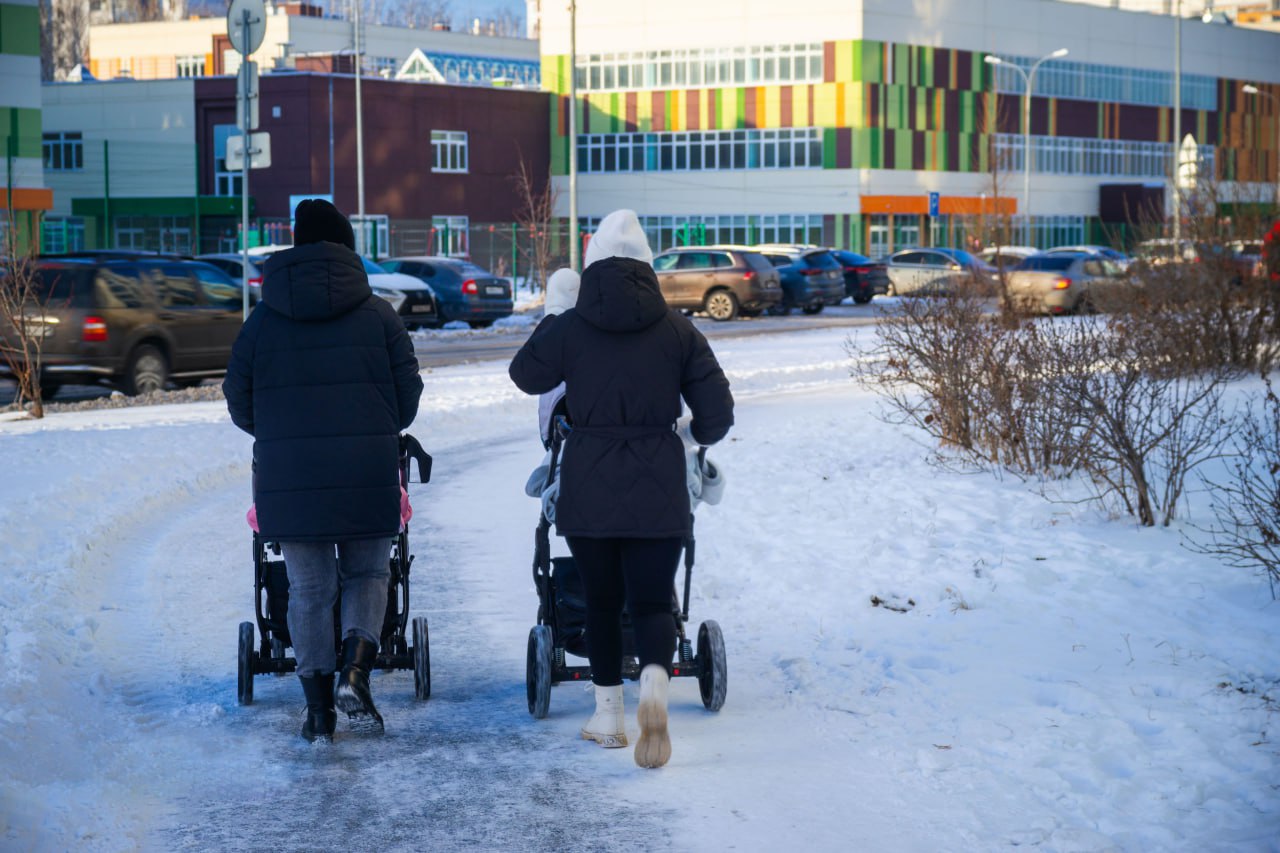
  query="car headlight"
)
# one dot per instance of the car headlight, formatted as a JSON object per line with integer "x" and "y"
{"x": 395, "y": 297}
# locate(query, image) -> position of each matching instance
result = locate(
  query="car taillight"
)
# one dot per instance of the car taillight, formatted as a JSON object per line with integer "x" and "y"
{"x": 811, "y": 271}
{"x": 749, "y": 275}
{"x": 863, "y": 270}
{"x": 469, "y": 287}
{"x": 1062, "y": 284}
{"x": 255, "y": 282}
{"x": 94, "y": 330}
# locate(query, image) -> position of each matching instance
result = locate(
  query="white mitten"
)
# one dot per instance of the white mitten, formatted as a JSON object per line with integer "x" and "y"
{"x": 562, "y": 291}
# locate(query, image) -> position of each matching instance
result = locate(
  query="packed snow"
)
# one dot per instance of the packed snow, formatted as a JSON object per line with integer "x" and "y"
{"x": 1037, "y": 673}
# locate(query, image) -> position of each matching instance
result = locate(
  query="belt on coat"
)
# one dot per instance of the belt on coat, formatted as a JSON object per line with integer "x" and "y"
{"x": 624, "y": 432}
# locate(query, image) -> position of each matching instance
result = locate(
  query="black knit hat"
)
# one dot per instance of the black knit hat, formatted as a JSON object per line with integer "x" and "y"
{"x": 316, "y": 219}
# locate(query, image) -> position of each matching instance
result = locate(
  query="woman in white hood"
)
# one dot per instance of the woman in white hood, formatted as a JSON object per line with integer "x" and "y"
{"x": 627, "y": 361}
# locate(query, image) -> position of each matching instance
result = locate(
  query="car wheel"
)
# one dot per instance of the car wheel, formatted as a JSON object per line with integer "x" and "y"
{"x": 721, "y": 305}
{"x": 743, "y": 312}
{"x": 480, "y": 324}
{"x": 813, "y": 309}
{"x": 148, "y": 371}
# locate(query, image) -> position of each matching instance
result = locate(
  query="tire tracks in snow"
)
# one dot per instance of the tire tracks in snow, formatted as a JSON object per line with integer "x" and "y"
{"x": 469, "y": 769}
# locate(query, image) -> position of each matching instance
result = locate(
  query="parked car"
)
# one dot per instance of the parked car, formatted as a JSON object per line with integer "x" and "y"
{"x": 463, "y": 291}
{"x": 1215, "y": 259}
{"x": 233, "y": 265}
{"x": 929, "y": 272}
{"x": 137, "y": 324}
{"x": 1063, "y": 282}
{"x": 1115, "y": 255}
{"x": 863, "y": 277}
{"x": 412, "y": 298}
{"x": 1248, "y": 257}
{"x": 1006, "y": 258}
{"x": 811, "y": 277}
{"x": 723, "y": 281}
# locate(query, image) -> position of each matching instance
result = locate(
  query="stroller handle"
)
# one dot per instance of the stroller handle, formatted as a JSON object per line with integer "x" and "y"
{"x": 411, "y": 449}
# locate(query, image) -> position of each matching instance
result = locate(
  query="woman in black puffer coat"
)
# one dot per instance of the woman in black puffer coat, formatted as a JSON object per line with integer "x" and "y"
{"x": 324, "y": 378}
{"x": 627, "y": 360}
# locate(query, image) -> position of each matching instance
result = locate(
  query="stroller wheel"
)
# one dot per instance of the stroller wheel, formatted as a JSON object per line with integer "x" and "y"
{"x": 713, "y": 669}
{"x": 537, "y": 671}
{"x": 247, "y": 659}
{"x": 421, "y": 659}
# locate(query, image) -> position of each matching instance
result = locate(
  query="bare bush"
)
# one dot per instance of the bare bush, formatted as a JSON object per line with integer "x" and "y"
{"x": 24, "y": 319}
{"x": 1246, "y": 505}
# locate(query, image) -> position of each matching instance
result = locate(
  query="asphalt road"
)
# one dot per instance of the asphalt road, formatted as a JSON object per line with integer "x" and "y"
{"x": 444, "y": 348}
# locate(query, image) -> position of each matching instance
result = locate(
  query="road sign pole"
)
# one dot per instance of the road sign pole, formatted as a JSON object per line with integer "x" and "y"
{"x": 244, "y": 183}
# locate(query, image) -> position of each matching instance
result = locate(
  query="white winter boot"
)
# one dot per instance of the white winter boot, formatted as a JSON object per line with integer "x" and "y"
{"x": 654, "y": 747}
{"x": 607, "y": 725}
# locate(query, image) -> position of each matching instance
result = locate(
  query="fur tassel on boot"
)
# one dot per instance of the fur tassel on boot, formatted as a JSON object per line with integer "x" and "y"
{"x": 654, "y": 746}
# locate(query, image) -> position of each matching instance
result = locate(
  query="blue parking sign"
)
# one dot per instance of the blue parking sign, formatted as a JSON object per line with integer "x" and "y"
{"x": 933, "y": 204}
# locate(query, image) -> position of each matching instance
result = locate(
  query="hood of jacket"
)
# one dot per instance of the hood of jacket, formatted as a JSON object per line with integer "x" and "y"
{"x": 620, "y": 295}
{"x": 318, "y": 281}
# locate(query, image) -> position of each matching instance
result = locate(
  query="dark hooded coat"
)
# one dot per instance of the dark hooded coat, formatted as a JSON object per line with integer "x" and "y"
{"x": 323, "y": 376}
{"x": 627, "y": 360}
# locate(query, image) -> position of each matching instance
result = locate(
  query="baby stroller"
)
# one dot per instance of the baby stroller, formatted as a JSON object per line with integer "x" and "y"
{"x": 271, "y": 598}
{"x": 561, "y": 628}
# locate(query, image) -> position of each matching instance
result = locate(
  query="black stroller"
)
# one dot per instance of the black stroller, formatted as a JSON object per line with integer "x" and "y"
{"x": 561, "y": 628}
{"x": 271, "y": 598}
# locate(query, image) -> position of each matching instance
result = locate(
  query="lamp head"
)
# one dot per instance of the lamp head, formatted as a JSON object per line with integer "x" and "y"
{"x": 992, "y": 60}
{"x": 1250, "y": 89}
{"x": 1059, "y": 53}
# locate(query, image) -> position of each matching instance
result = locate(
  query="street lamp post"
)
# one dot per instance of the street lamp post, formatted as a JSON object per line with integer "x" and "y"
{"x": 1250, "y": 89}
{"x": 1027, "y": 79}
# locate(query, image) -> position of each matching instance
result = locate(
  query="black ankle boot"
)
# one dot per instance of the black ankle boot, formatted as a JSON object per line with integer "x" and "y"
{"x": 358, "y": 657}
{"x": 321, "y": 717}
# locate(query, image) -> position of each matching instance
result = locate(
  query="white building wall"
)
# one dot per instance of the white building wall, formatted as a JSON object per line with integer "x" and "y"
{"x": 609, "y": 25}
{"x": 1091, "y": 33}
{"x": 150, "y": 128}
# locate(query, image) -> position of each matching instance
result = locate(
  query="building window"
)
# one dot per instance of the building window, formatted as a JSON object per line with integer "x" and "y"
{"x": 451, "y": 236}
{"x": 63, "y": 151}
{"x": 696, "y": 151}
{"x": 61, "y": 234}
{"x": 725, "y": 66}
{"x": 1073, "y": 155}
{"x": 225, "y": 182}
{"x": 382, "y": 66}
{"x": 665, "y": 232}
{"x": 1087, "y": 81}
{"x": 191, "y": 66}
{"x": 448, "y": 151}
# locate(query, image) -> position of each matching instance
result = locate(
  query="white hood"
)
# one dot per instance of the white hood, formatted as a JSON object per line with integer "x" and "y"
{"x": 619, "y": 235}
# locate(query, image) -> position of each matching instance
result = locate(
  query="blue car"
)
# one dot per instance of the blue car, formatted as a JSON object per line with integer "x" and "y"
{"x": 811, "y": 277}
{"x": 463, "y": 290}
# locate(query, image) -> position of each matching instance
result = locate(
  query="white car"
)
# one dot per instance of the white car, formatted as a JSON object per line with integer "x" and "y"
{"x": 1010, "y": 256}
{"x": 413, "y": 298}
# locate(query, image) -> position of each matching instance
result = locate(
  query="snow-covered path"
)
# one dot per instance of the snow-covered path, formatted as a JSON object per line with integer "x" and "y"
{"x": 1063, "y": 680}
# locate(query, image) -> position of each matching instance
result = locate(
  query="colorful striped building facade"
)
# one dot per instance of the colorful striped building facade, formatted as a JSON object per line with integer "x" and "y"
{"x": 23, "y": 198}
{"x": 871, "y": 127}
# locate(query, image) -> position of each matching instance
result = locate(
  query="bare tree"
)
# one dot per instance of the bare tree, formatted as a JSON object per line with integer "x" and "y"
{"x": 24, "y": 320}
{"x": 418, "y": 14}
{"x": 64, "y": 36}
{"x": 535, "y": 216}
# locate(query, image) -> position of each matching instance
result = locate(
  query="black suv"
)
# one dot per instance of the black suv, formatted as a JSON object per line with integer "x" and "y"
{"x": 137, "y": 323}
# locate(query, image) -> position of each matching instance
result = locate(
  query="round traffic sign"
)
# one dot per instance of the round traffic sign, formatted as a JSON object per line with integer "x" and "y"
{"x": 247, "y": 25}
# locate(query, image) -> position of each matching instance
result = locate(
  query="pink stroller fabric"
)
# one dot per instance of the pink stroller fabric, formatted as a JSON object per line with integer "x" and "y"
{"x": 406, "y": 512}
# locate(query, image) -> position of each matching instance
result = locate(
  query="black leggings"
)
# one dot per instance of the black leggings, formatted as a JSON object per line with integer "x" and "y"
{"x": 641, "y": 571}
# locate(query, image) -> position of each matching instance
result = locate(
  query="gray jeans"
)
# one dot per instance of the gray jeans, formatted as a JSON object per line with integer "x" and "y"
{"x": 361, "y": 571}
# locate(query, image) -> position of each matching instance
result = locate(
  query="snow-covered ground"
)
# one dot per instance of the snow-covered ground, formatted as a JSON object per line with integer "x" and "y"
{"x": 1063, "y": 680}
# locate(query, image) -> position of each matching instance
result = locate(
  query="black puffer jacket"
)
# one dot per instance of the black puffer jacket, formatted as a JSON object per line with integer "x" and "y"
{"x": 323, "y": 376}
{"x": 626, "y": 359}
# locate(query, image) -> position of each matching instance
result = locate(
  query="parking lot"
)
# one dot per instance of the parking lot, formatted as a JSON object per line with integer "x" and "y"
{"x": 443, "y": 347}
